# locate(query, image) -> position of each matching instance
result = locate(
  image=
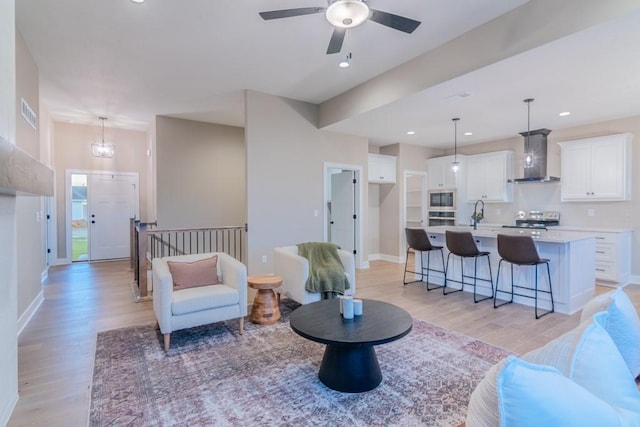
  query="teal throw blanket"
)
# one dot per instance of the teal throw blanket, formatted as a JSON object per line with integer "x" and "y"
{"x": 326, "y": 272}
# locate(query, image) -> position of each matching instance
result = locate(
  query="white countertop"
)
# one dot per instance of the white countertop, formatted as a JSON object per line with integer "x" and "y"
{"x": 579, "y": 228}
{"x": 592, "y": 229}
{"x": 550, "y": 236}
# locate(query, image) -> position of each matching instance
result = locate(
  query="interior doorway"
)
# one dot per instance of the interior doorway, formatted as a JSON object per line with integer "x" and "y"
{"x": 99, "y": 209}
{"x": 343, "y": 207}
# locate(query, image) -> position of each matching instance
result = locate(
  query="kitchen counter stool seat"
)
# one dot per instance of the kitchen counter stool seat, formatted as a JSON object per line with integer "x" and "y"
{"x": 418, "y": 240}
{"x": 462, "y": 245}
{"x": 521, "y": 251}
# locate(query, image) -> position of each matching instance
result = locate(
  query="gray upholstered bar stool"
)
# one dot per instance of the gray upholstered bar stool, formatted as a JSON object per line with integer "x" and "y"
{"x": 462, "y": 245}
{"x": 418, "y": 240}
{"x": 520, "y": 250}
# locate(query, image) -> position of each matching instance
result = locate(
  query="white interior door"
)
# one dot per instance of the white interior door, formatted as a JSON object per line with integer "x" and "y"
{"x": 112, "y": 202}
{"x": 342, "y": 220}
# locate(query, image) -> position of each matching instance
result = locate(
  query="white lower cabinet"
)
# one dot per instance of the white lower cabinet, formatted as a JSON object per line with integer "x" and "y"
{"x": 613, "y": 257}
{"x": 613, "y": 254}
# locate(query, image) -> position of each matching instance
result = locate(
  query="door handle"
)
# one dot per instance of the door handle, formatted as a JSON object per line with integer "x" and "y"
{"x": 93, "y": 222}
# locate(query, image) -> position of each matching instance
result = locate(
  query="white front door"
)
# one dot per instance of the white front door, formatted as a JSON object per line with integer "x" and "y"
{"x": 112, "y": 202}
{"x": 342, "y": 221}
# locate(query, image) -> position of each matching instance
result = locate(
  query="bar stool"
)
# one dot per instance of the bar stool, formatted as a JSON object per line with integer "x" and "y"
{"x": 521, "y": 251}
{"x": 418, "y": 240}
{"x": 461, "y": 244}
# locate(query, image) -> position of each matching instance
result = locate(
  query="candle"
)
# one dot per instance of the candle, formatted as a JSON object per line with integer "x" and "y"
{"x": 357, "y": 307}
{"x": 347, "y": 308}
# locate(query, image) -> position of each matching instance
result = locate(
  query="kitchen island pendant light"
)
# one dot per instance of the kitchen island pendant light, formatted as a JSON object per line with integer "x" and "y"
{"x": 455, "y": 165}
{"x": 529, "y": 158}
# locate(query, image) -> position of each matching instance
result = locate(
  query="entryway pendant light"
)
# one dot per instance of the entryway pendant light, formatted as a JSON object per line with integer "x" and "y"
{"x": 102, "y": 149}
{"x": 455, "y": 165}
{"x": 529, "y": 158}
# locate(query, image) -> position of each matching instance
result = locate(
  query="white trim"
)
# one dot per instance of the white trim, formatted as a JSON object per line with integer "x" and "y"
{"x": 68, "y": 201}
{"x": 8, "y": 410}
{"x": 391, "y": 258}
{"x": 360, "y": 260}
{"x": 633, "y": 279}
{"x": 44, "y": 275}
{"x": 403, "y": 213}
{"x": 25, "y": 318}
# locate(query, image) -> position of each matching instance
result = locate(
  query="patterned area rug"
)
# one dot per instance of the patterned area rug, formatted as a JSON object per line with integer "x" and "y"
{"x": 214, "y": 377}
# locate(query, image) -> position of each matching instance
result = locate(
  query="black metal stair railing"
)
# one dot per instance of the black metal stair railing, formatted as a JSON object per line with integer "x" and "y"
{"x": 148, "y": 242}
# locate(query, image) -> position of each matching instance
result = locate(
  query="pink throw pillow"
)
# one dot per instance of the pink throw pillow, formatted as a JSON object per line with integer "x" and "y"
{"x": 193, "y": 274}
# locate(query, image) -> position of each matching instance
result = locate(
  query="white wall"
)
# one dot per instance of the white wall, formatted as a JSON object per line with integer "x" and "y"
{"x": 285, "y": 157}
{"x": 31, "y": 258}
{"x": 200, "y": 174}
{"x": 72, "y": 150}
{"x": 8, "y": 286}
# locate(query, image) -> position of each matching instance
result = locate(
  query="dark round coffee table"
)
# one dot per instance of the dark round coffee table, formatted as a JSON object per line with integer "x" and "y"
{"x": 349, "y": 363}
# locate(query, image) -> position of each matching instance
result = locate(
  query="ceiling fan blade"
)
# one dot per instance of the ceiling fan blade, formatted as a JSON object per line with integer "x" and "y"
{"x": 288, "y": 13}
{"x": 335, "y": 44}
{"x": 394, "y": 21}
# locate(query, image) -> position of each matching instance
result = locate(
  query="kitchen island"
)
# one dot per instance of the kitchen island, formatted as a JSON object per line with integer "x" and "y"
{"x": 572, "y": 265}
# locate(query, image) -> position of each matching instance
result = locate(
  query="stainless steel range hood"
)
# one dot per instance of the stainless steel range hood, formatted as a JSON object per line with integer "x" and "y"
{"x": 536, "y": 144}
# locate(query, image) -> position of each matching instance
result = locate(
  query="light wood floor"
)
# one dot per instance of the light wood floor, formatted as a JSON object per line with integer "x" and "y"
{"x": 56, "y": 350}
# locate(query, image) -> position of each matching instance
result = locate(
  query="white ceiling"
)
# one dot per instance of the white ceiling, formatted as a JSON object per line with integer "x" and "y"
{"x": 193, "y": 59}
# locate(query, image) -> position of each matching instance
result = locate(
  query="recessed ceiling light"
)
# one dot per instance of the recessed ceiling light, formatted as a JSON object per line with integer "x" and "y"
{"x": 565, "y": 113}
{"x": 138, "y": 1}
{"x": 411, "y": 132}
{"x": 468, "y": 133}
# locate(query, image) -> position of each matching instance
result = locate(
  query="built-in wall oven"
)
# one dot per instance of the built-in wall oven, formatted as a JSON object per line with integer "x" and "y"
{"x": 442, "y": 218}
{"x": 442, "y": 207}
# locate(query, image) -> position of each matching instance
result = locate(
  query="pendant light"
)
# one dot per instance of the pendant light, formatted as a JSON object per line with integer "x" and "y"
{"x": 455, "y": 165}
{"x": 529, "y": 158}
{"x": 102, "y": 149}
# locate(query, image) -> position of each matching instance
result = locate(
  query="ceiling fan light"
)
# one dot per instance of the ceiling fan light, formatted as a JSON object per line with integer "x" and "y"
{"x": 347, "y": 13}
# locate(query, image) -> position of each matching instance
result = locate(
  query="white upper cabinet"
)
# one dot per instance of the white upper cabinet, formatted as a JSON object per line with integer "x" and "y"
{"x": 441, "y": 176}
{"x": 382, "y": 169}
{"x": 596, "y": 169}
{"x": 487, "y": 176}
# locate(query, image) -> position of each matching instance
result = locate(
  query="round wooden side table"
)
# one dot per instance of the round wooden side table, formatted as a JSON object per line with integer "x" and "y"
{"x": 265, "y": 310}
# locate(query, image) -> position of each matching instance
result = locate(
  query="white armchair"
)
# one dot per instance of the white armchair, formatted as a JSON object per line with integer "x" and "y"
{"x": 187, "y": 308}
{"x": 294, "y": 271}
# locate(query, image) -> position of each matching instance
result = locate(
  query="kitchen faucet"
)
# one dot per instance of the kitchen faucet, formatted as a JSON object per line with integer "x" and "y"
{"x": 477, "y": 216}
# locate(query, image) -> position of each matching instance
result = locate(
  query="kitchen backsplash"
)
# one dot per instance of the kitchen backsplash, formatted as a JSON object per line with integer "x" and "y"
{"x": 546, "y": 197}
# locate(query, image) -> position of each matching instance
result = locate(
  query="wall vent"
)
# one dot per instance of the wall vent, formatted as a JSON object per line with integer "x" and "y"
{"x": 28, "y": 114}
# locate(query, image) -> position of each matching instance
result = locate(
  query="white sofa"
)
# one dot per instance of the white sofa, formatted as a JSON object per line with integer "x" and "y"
{"x": 187, "y": 308}
{"x": 585, "y": 377}
{"x": 294, "y": 271}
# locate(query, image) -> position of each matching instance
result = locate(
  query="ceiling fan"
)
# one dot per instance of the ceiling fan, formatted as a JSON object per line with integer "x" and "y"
{"x": 345, "y": 14}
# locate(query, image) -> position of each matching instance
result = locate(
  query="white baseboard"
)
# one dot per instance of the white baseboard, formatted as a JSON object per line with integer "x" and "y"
{"x": 392, "y": 258}
{"x": 62, "y": 261}
{"x": 25, "y": 318}
{"x": 8, "y": 410}
{"x": 363, "y": 265}
{"x": 634, "y": 280}
{"x": 44, "y": 275}
{"x": 384, "y": 257}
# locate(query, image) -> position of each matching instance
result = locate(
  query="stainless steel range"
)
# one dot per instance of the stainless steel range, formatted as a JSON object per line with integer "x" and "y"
{"x": 539, "y": 220}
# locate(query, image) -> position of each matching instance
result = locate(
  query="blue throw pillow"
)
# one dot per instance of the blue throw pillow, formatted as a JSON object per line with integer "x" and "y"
{"x": 531, "y": 395}
{"x": 623, "y": 324}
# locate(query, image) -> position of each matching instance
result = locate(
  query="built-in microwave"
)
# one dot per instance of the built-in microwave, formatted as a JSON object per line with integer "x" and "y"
{"x": 442, "y": 200}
